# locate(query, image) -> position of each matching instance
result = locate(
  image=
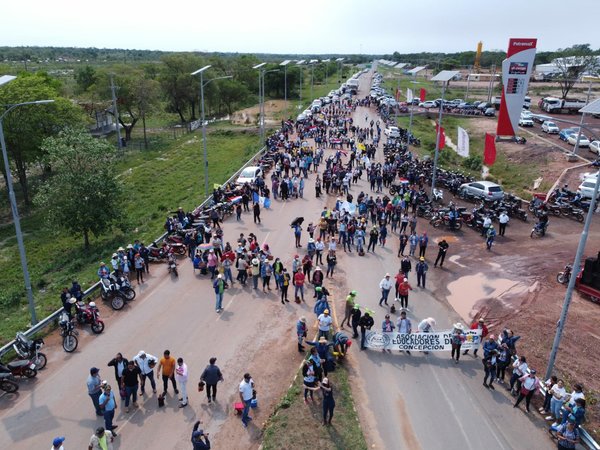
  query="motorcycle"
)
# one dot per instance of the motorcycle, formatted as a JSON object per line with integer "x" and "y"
{"x": 68, "y": 333}
{"x": 89, "y": 314}
{"x": 117, "y": 289}
{"x": 30, "y": 349}
{"x": 8, "y": 383}
{"x": 156, "y": 254}
{"x": 19, "y": 368}
{"x": 172, "y": 265}
{"x": 521, "y": 140}
{"x": 564, "y": 276}
{"x": 439, "y": 219}
{"x": 438, "y": 196}
{"x": 425, "y": 210}
{"x": 538, "y": 230}
{"x": 574, "y": 213}
{"x": 176, "y": 244}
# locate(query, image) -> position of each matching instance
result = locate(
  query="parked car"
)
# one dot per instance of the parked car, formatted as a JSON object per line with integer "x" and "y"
{"x": 550, "y": 127}
{"x": 563, "y": 135}
{"x": 595, "y": 147}
{"x": 540, "y": 118}
{"x": 249, "y": 175}
{"x": 527, "y": 114}
{"x": 483, "y": 189}
{"x": 484, "y": 105}
{"x": 586, "y": 188}
{"x": 525, "y": 122}
{"x": 490, "y": 112}
{"x": 583, "y": 140}
{"x": 392, "y": 132}
{"x": 428, "y": 104}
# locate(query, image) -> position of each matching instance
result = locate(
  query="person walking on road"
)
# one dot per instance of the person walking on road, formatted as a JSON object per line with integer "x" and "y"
{"x": 325, "y": 322}
{"x": 365, "y": 323}
{"x": 503, "y": 220}
{"x": 443, "y": 248}
{"x": 309, "y": 378}
{"x": 519, "y": 369}
{"x": 256, "y": 211}
{"x": 403, "y": 241}
{"x": 181, "y": 376}
{"x": 529, "y": 385}
{"x": 457, "y": 338}
{"x": 130, "y": 382}
{"x": 167, "y": 366}
{"x": 403, "y": 289}
{"x": 146, "y": 364}
{"x": 297, "y": 234}
{"x": 404, "y": 325}
{"x": 246, "y": 389}
{"x": 102, "y": 440}
{"x": 200, "y": 439}
{"x": 423, "y": 241}
{"x": 211, "y": 376}
{"x": 421, "y": 268}
{"x": 355, "y": 319}
{"x": 373, "y": 237}
{"x": 285, "y": 284}
{"x": 94, "y": 386}
{"x": 331, "y": 263}
{"x": 385, "y": 285}
{"x": 490, "y": 234}
{"x": 299, "y": 279}
{"x": 219, "y": 287}
{"x": 108, "y": 403}
{"x": 413, "y": 240}
{"x": 479, "y": 325}
{"x": 490, "y": 367}
{"x": 349, "y": 305}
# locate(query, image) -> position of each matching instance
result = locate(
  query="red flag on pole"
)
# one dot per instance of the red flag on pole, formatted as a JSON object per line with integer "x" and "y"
{"x": 442, "y": 136}
{"x": 422, "y": 94}
{"x": 489, "y": 153}
{"x": 397, "y": 95}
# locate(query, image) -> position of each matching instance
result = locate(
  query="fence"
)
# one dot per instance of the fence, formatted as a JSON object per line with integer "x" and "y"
{"x": 54, "y": 316}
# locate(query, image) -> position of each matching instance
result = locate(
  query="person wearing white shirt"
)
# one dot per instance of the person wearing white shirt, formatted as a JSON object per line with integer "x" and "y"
{"x": 181, "y": 376}
{"x": 146, "y": 363}
{"x": 385, "y": 285}
{"x": 559, "y": 393}
{"x": 503, "y": 219}
{"x": 246, "y": 393}
{"x": 324, "y": 324}
{"x": 519, "y": 369}
{"x": 487, "y": 222}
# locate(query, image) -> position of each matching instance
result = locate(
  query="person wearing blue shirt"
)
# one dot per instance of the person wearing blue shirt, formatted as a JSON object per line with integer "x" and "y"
{"x": 107, "y": 401}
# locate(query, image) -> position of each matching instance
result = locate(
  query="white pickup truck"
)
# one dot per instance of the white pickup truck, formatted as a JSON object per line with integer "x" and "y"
{"x": 557, "y": 105}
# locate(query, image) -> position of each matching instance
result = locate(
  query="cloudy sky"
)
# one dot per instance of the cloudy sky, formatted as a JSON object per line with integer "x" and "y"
{"x": 305, "y": 26}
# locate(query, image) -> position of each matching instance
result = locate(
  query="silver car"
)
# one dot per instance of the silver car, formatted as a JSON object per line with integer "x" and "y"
{"x": 482, "y": 189}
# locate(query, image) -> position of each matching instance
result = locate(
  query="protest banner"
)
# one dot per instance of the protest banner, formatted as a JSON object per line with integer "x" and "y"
{"x": 438, "y": 341}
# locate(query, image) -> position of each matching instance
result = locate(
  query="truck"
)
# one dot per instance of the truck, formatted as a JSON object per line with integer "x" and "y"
{"x": 557, "y": 105}
{"x": 352, "y": 86}
{"x": 496, "y": 102}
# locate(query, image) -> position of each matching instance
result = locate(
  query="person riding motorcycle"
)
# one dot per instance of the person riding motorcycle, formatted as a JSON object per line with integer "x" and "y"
{"x": 542, "y": 222}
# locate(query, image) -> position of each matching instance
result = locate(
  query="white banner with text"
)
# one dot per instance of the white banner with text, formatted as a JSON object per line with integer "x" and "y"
{"x": 438, "y": 341}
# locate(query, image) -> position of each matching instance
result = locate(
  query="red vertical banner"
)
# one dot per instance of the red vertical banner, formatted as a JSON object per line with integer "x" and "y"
{"x": 422, "y": 94}
{"x": 442, "y": 136}
{"x": 489, "y": 153}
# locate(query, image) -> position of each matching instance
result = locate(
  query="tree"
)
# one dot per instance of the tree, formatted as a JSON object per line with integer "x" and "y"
{"x": 85, "y": 77}
{"x": 180, "y": 88}
{"x": 26, "y": 127}
{"x": 232, "y": 93}
{"x": 136, "y": 95}
{"x": 83, "y": 196}
{"x": 573, "y": 62}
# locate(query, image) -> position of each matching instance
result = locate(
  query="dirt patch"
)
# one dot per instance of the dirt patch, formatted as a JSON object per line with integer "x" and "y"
{"x": 250, "y": 115}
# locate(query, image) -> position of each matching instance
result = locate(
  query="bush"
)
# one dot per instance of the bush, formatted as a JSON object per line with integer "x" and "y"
{"x": 474, "y": 162}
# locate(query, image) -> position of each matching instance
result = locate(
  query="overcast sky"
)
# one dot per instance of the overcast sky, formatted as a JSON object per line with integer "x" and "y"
{"x": 301, "y": 26}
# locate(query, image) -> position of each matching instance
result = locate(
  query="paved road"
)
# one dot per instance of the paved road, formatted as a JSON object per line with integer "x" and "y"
{"x": 426, "y": 401}
{"x": 176, "y": 314}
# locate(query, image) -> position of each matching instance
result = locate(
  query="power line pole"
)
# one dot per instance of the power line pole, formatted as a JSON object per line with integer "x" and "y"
{"x": 115, "y": 111}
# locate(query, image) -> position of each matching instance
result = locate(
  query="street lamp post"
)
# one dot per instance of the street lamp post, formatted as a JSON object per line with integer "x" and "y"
{"x": 444, "y": 76}
{"x": 299, "y": 63}
{"x": 202, "y": 84}
{"x": 581, "y": 121}
{"x": 285, "y": 64}
{"x": 13, "y": 201}
{"x": 116, "y": 111}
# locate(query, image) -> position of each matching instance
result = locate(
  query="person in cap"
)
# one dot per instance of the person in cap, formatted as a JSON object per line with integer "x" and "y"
{"x": 311, "y": 248}
{"x": 246, "y": 389}
{"x": 355, "y": 319}
{"x": 301, "y": 330}
{"x": 325, "y": 322}
{"x": 421, "y": 268}
{"x": 57, "y": 443}
{"x": 108, "y": 403}
{"x": 567, "y": 434}
{"x": 385, "y": 285}
{"x": 103, "y": 271}
{"x": 94, "y": 384}
{"x": 341, "y": 343}
{"x": 365, "y": 323}
{"x": 478, "y": 325}
{"x": 328, "y": 401}
{"x": 457, "y": 338}
{"x": 146, "y": 363}
{"x": 219, "y": 287}
{"x": 402, "y": 289}
{"x": 442, "y": 249}
{"x": 101, "y": 440}
{"x": 284, "y": 285}
{"x": 387, "y": 326}
{"x": 317, "y": 278}
{"x": 426, "y": 326}
{"x": 349, "y": 305}
{"x": 530, "y": 383}
{"x": 199, "y": 438}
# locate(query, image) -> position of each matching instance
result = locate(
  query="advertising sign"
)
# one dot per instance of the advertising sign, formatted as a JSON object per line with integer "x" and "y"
{"x": 438, "y": 341}
{"x": 516, "y": 71}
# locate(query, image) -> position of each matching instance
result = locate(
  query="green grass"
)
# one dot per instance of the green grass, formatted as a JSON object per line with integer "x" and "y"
{"x": 296, "y": 425}
{"x": 517, "y": 178}
{"x": 156, "y": 182}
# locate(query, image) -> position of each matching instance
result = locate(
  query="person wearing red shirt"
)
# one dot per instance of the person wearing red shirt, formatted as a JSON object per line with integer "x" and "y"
{"x": 299, "y": 285}
{"x": 403, "y": 289}
{"x": 484, "y": 332}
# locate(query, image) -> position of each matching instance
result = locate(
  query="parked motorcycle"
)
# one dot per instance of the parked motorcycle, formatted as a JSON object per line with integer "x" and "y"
{"x": 117, "y": 289}
{"x": 68, "y": 333}
{"x": 564, "y": 276}
{"x": 440, "y": 219}
{"x": 19, "y": 368}
{"x": 156, "y": 254}
{"x": 8, "y": 383}
{"x": 176, "y": 244}
{"x": 438, "y": 196}
{"x": 172, "y": 266}
{"x": 30, "y": 349}
{"x": 89, "y": 314}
